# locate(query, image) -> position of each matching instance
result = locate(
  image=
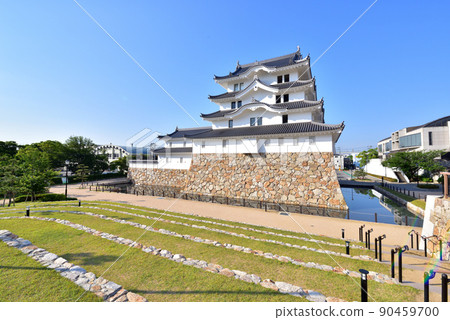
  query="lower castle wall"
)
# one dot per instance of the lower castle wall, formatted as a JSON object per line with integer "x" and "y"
{"x": 440, "y": 217}
{"x": 307, "y": 179}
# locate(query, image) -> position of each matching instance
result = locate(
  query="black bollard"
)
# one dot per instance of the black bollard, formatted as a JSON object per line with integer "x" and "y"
{"x": 406, "y": 220}
{"x": 347, "y": 247}
{"x": 440, "y": 249}
{"x": 444, "y": 282}
{"x": 376, "y": 217}
{"x": 379, "y": 247}
{"x": 366, "y": 239}
{"x": 400, "y": 273}
{"x": 343, "y": 233}
{"x": 412, "y": 240}
{"x": 368, "y": 236}
{"x": 426, "y": 287}
{"x": 376, "y": 248}
{"x": 417, "y": 241}
{"x": 364, "y": 294}
{"x": 28, "y": 212}
{"x": 392, "y": 263}
{"x": 425, "y": 246}
{"x": 361, "y": 232}
{"x": 79, "y": 203}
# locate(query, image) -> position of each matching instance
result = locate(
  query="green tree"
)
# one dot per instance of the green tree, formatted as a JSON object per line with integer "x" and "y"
{"x": 366, "y": 155}
{"x": 9, "y": 178}
{"x": 412, "y": 162}
{"x": 36, "y": 171}
{"x": 8, "y": 148}
{"x": 81, "y": 150}
{"x": 82, "y": 173}
{"x": 120, "y": 164}
{"x": 56, "y": 151}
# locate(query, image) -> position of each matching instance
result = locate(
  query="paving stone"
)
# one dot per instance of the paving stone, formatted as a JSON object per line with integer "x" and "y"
{"x": 133, "y": 297}
{"x": 315, "y": 296}
{"x": 49, "y": 257}
{"x": 267, "y": 283}
{"x": 77, "y": 269}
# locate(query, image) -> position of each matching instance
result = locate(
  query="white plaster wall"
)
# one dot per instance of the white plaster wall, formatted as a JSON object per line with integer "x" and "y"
{"x": 178, "y": 143}
{"x": 161, "y": 164}
{"x": 375, "y": 167}
{"x": 322, "y": 143}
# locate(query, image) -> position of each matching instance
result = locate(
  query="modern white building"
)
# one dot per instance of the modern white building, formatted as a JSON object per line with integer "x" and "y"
{"x": 434, "y": 135}
{"x": 112, "y": 151}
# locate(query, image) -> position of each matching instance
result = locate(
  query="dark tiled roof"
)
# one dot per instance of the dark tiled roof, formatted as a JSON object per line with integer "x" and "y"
{"x": 299, "y": 127}
{"x": 286, "y": 85}
{"x": 181, "y": 133}
{"x": 278, "y": 106}
{"x": 173, "y": 150}
{"x": 277, "y": 62}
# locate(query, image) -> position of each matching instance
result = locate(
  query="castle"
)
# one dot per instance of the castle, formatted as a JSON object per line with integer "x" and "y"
{"x": 267, "y": 142}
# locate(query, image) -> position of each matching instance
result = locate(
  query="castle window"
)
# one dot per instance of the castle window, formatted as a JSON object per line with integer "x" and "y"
{"x": 184, "y": 144}
{"x": 203, "y": 144}
{"x": 295, "y": 140}
{"x": 170, "y": 144}
{"x": 241, "y": 85}
{"x": 239, "y": 104}
{"x": 236, "y": 87}
{"x": 430, "y": 138}
{"x": 280, "y": 79}
{"x": 181, "y": 159}
{"x": 233, "y": 105}
{"x": 252, "y": 122}
{"x": 230, "y": 123}
{"x": 286, "y": 98}
{"x": 277, "y": 99}
{"x": 224, "y": 143}
{"x": 285, "y": 118}
{"x": 280, "y": 141}
{"x": 259, "y": 121}
{"x": 286, "y": 78}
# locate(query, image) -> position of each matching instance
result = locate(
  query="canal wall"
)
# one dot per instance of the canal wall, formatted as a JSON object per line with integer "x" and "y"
{"x": 438, "y": 221}
{"x": 411, "y": 207}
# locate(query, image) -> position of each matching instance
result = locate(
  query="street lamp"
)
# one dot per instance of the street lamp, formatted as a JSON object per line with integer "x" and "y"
{"x": 66, "y": 168}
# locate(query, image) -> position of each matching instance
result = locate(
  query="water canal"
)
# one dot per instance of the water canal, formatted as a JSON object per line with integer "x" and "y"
{"x": 363, "y": 203}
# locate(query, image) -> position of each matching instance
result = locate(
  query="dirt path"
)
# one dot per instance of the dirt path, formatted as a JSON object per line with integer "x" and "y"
{"x": 395, "y": 234}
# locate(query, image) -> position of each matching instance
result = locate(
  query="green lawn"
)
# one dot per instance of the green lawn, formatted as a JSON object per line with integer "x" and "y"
{"x": 155, "y": 278}
{"x": 23, "y": 279}
{"x": 417, "y": 202}
{"x": 322, "y": 281}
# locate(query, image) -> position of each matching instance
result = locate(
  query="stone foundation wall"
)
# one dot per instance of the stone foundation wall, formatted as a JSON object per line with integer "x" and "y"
{"x": 159, "y": 181}
{"x": 440, "y": 217}
{"x": 298, "y": 178}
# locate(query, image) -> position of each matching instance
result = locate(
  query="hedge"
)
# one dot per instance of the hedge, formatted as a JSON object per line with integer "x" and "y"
{"x": 45, "y": 197}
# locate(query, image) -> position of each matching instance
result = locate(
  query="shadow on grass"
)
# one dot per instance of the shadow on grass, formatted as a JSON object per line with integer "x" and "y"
{"x": 24, "y": 268}
{"x": 88, "y": 258}
{"x": 205, "y": 292}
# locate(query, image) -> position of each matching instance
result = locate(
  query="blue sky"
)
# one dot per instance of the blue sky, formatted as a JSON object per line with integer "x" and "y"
{"x": 61, "y": 75}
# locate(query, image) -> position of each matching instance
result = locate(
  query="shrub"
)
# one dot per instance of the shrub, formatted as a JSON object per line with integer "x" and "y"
{"x": 428, "y": 186}
{"x": 45, "y": 197}
{"x": 360, "y": 174}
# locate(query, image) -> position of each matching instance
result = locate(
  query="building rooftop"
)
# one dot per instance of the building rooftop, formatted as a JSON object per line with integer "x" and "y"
{"x": 278, "y": 86}
{"x": 184, "y": 132}
{"x": 287, "y": 128}
{"x": 301, "y": 104}
{"x": 173, "y": 150}
{"x": 278, "y": 62}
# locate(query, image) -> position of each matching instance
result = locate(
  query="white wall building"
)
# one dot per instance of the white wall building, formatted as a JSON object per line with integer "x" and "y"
{"x": 112, "y": 151}
{"x": 269, "y": 106}
{"x": 434, "y": 135}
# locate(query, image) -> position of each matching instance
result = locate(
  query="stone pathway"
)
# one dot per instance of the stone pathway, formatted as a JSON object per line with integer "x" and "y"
{"x": 107, "y": 290}
{"x": 282, "y": 287}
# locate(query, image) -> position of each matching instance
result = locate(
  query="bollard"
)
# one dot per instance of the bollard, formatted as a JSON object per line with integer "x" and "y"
{"x": 361, "y": 230}
{"x": 376, "y": 248}
{"x": 406, "y": 220}
{"x": 28, "y": 211}
{"x": 412, "y": 240}
{"x": 347, "y": 247}
{"x": 425, "y": 246}
{"x": 368, "y": 236}
{"x": 265, "y": 206}
{"x": 79, "y": 203}
{"x": 417, "y": 240}
{"x": 366, "y": 239}
{"x": 376, "y": 217}
{"x": 426, "y": 287}
{"x": 343, "y": 233}
{"x": 392, "y": 263}
{"x": 379, "y": 247}
{"x": 364, "y": 274}
{"x": 444, "y": 282}
{"x": 400, "y": 254}
{"x": 440, "y": 249}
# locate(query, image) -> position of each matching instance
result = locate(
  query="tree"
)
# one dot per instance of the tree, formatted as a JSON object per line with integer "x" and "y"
{"x": 36, "y": 172}
{"x": 82, "y": 173}
{"x": 412, "y": 162}
{"x": 9, "y": 178}
{"x": 8, "y": 148}
{"x": 56, "y": 151}
{"x": 360, "y": 174}
{"x": 366, "y": 155}
{"x": 120, "y": 164}
{"x": 80, "y": 150}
